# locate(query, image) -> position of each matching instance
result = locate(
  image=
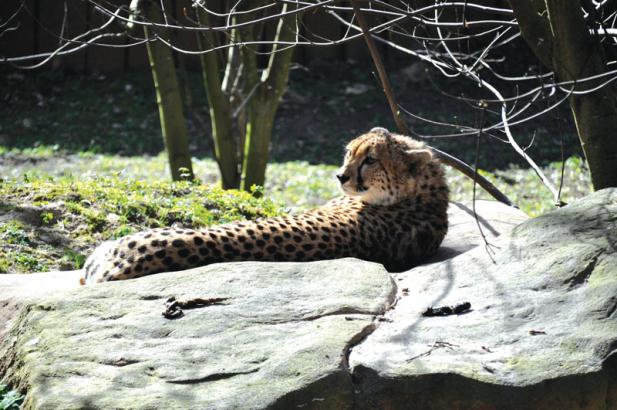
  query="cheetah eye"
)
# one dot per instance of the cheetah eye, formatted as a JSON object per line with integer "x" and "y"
{"x": 369, "y": 160}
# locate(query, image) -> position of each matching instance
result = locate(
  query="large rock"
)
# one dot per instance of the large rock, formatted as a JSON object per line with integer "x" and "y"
{"x": 19, "y": 290}
{"x": 281, "y": 337}
{"x": 320, "y": 335}
{"x": 467, "y": 228}
{"x": 540, "y": 335}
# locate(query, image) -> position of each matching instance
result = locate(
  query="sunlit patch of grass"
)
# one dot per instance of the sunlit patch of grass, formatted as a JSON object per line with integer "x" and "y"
{"x": 87, "y": 211}
{"x": 524, "y": 187}
{"x": 301, "y": 185}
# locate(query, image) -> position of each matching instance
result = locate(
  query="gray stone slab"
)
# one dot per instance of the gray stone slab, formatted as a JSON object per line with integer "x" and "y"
{"x": 541, "y": 332}
{"x": 468, "y": 223}
{"x": 540, "y": 335}
{"x": 279, "y": 340}
{"x": 17, "y": 290}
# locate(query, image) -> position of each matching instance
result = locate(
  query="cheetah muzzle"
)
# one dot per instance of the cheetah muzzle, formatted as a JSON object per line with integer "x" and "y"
{"x": 394, "y": 212}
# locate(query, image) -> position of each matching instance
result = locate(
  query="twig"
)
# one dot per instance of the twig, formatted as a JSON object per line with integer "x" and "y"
{"x": 504, "y": 118}
{"x": 487, "y": 245}
{"x": 383, "y": 76}
{"x": 437, "y": 345}
{"x": 466, "y": 170}
{"x": 173, "y": 307}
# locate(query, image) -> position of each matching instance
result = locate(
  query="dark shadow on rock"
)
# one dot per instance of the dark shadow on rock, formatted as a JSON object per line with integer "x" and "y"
{"x": 595, "y": 390}
{"x": 483, "y": 222}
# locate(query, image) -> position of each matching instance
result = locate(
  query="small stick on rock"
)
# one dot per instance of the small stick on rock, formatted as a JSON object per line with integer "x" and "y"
{"x": 173, "y": 307}
{"x": 457, "y": 309}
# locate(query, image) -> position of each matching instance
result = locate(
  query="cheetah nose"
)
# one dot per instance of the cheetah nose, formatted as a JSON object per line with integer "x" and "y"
{"x": 342, "y": 178}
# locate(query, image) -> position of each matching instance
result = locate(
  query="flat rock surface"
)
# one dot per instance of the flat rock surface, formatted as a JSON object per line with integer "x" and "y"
{"x": 281, "y": 335}
{"x": 540, "y": 332}
{"x": 18, "y": 290}
{"x": 467, "y": 224}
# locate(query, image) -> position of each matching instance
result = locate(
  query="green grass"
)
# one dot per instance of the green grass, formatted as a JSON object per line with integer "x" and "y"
{"x": 12, "y": 232}
{"x": 9, "y": 399}
{"x": 54, "y": 222}
{"x": 524, "y": 187}
{"x": 297, "y": 184}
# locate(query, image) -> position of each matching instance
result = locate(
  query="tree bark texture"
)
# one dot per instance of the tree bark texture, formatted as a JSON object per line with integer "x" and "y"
{"x": 243, "y": 158}
{"x": 173, "y": 123}
{"x": 263, "y": 107}
{"x": 225, "y": 146}
{"x": 558, "y": 35}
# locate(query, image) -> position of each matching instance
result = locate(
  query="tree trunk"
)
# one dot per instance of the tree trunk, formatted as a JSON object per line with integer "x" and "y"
{"x": 242, "y": 159}
{"x": 257, "y": 145}
{"x": 173, "y": 124}
{"x": 556, "y": 32}
{"x": 225, "y": 147}
{"x": 263, "y": 107}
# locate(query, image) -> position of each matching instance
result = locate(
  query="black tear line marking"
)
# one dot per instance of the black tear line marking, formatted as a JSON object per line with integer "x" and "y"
{"x": 211, "y": 377}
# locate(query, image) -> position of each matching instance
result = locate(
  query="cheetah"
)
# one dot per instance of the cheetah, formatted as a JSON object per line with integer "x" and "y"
{"x": 394, "y": 211}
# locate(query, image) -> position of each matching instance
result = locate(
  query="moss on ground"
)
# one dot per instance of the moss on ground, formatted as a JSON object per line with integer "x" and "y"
{"x": 53, "y": 223}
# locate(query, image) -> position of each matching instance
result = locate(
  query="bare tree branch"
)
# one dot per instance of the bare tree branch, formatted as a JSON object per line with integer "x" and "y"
{"x": 402, "y": 127}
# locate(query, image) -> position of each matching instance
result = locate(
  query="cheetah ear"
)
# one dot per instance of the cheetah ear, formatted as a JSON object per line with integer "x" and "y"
{"x": 417, "y": 159}
{"x": 380, "y": 130}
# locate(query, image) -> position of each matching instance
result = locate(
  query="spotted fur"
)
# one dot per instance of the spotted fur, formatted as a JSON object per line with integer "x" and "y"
{"x": 394, "y": 212}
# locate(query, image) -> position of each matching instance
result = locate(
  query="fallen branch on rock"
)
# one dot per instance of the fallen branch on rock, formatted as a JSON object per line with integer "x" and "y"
{"x": 457, "y": 309}
{"x": 173, "y": 307}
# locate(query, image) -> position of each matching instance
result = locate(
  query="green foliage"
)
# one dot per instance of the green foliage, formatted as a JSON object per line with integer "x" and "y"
{"x": 12, "y": 232}
{"x": 47, "y": 217}
{"x": 300, "y": 185}
{"x": 27, "y": 263}
{"x": 87, "y": 211}
{"x": 524, "y": 187}
{"x": 9, "y": 399}
{"x": 75, "y": 258}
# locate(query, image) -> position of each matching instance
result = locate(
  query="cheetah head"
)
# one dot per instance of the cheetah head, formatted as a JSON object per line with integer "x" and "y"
{"x": 382, "y": 168}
